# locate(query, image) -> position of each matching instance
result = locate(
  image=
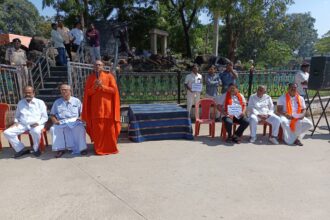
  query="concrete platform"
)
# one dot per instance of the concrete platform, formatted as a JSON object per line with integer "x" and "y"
{"x": 175, "y": 179}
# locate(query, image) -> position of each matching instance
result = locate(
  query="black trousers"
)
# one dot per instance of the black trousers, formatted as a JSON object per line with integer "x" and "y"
{"x": 243, "y": 124}
{"x": 68, "y": 50}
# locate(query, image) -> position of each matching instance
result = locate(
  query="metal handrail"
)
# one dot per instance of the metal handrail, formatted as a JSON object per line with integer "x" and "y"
{"x": 39, "y": 72}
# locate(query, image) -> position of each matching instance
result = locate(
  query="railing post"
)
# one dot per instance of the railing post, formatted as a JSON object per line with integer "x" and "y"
{"x": 41, "y": 78}
{"x": 179, "y": 86}
{"x": 70, "y": 76}
{"x": 250, "y": 81}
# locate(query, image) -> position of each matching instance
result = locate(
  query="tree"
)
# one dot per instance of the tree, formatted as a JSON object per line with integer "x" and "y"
{"x": 299, "y": 32}
{"x": 276, "y": 53}
{"x": 187, "y": 10}
{"x": 322, "y": 46}
{"x": 245, "y": 17}
{"x": 19, "y": 17}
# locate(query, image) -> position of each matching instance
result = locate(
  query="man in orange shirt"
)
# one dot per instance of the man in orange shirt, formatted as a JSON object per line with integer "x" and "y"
{"x": 101, "y": 110}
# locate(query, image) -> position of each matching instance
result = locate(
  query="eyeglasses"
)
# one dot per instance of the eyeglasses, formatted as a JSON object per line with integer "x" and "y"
{"x": 98, "y": 64}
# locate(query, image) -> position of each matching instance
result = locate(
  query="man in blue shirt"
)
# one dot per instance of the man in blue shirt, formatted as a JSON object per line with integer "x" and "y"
{"x": 227, "y": 77}
{"x": 68, "y": 131}
{"x": 212, "y": 82}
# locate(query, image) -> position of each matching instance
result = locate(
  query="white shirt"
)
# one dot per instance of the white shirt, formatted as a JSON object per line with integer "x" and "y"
{"x": 65, "y": 33}
{"x": 57, "y": 39}
{"x": 28, "y": 113}
{"x": 193, "y": 78}
{"x": 78, "y": 35}
{"x": 15, "y": 57}
{"x": 282, "y": 101}
{"x": 220, "y": 100}
{"x": 298, "y": 79}
{"x": 261, "y": 106}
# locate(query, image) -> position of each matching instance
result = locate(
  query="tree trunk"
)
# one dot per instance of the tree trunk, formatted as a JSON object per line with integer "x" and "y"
{"x": 231, "y": 39}
{"x": 215, "y": 33}
{"x": 186, "y": 34}
{"x": 86, "y": 20}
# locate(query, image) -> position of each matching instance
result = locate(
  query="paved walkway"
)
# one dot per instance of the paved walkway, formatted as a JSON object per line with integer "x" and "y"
{"x": 175, "y": 179}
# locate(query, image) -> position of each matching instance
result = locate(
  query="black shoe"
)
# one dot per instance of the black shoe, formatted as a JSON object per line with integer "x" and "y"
{"x": 297, "y": 142}
{"x": 84, "y": 152}
{"x": 36, "y": 153}
{"x": 59, "y": 153}
{"x": 229, "y": 140}
{"x": 21, "y": 153}
{"x": 237, "y": 140}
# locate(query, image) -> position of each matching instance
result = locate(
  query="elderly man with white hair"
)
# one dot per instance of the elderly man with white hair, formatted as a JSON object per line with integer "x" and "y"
{"x": 68, "y": 130}
{"x": 262, "y": 109}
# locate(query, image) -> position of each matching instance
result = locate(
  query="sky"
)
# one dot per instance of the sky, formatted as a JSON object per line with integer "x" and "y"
{"x": 319, "y": 9}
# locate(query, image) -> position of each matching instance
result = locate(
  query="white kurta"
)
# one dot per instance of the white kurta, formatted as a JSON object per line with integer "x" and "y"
{"x": 302, "y": 126}
{"x": 27, "y": 113}
{"x": 262, "y": 106}
{"x": 70, "y": 133}
{"x": 192, "y": 97}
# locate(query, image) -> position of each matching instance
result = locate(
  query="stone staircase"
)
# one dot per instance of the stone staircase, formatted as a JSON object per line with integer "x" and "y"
{"x": 51, "y": 92}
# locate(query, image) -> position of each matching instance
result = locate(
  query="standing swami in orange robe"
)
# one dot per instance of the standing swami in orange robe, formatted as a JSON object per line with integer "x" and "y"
{"x": 101, "y": 110}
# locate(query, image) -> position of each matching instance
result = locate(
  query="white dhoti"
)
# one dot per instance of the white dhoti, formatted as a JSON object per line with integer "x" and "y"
{"x": 12, "y": 136}
{"x": 302, "y": 126}
{"x": 192, "y": 99}
{"x": 71, "y": 135}
{"x": 274, "y": 120}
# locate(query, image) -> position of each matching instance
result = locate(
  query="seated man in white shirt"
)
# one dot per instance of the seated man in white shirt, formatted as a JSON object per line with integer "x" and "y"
{"x": 68, "y": 131}
{"x": 262, "y": 109}
{"x": 292, "y": 108}
{"x": 232, "y": 106}
{"x": 31, "y": 115}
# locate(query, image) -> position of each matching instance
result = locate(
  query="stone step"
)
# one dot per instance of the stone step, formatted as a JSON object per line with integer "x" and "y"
{"x": 58, "y": 73}
{"x": 58, "y": 68}
{"x": 56, "y": 79}
{"x": 49, "y": 91}
{"x": 52, "y": 85}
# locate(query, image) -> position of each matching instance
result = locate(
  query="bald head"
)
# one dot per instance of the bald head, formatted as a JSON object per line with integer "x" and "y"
{"x": 98, "y": 66}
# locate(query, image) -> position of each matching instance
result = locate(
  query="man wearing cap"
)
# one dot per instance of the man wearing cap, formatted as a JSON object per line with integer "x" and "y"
{"x": 193, "y": 83}
{"x": 301, "y": 79}
{"x": 227, "y": 77}
{"x": 16, "y": 56}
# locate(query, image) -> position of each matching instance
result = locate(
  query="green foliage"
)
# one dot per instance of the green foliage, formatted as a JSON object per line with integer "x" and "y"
{"x": 276, "y": 53}
{"x": 322, "y": 46}
{"x": 19, "y": 17}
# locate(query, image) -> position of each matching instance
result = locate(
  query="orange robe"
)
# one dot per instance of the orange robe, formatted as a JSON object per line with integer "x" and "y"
{"x": 101, "y": 112}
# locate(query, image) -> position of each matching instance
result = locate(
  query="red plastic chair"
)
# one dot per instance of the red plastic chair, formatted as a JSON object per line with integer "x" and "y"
{"x": 205, "y": 116}
{"x": 223, "y": 133}
{"x": 42, "y": 145}
{"x": 4, "y": 108}
{"x": 265, "y": 124}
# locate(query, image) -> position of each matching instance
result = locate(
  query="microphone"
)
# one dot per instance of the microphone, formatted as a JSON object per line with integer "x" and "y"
{"x": 97, "y": 74}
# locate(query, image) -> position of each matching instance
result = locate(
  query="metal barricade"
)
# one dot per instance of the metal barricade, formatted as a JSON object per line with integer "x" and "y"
{"x": 77, "y": 74}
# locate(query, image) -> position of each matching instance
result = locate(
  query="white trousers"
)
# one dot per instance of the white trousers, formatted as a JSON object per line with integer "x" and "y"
{"x": 65, "y": 137}
{"x": 192, "y": 99}
{"x": 302, "y": 126}
{"x": 274, "y": 120}
{"x": 12, "y": 136}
